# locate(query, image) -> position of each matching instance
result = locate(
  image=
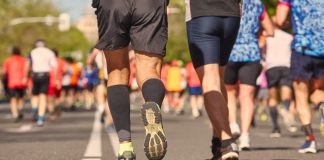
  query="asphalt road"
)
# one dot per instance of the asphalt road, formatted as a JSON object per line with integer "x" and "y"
{"x": 76, "y": 136}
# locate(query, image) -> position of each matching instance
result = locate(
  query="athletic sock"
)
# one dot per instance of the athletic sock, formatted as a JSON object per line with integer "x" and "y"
{"x": 101, "y": 109}
{"x": 227, "y": 142}
{"x": 40, "y": 118}
{"x": 274, "y": 116}
{"x": 153, "y": 90}
{"x": 123, "y": 147}
{"x": 34, "y": 110}
{"x": 119, "y": 104}
{"x": 309, "y": 132}
{"x": 286, "y": 103}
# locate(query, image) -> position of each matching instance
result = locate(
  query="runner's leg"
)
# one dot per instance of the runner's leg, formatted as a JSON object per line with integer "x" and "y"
{"x": 273, "y": 102}
{"x": 14, "y": 108}
{"x": 148, "y": 67}
{"x": 232, "y": 106}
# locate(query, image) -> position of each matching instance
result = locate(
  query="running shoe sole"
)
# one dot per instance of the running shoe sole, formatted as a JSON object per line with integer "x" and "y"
{"x": 308, "y": 150}
{"x": 155, "y": 143}
{"x": 275, "y": 135}
{"x": 230, "y": 158}
{"x": 127, "y": 156}
{"x": 244, "y": 148}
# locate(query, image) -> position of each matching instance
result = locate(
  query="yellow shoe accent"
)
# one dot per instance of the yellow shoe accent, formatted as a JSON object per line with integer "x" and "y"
{"x": 123, "y": 147}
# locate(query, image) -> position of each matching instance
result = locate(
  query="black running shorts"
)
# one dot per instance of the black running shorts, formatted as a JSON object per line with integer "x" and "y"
{"x": 278, "y": 76}
{"x": 245, "y": 72}
{"x": 141, "y": 22}
{"x": 16, "y": 92}
{"x": 40, "y": 83}
{"x": 304, "y": 67}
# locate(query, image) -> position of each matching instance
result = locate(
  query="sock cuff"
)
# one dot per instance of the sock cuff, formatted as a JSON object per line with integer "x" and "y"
{"x": 118, "y": 86}
{"x": 153, "y": 81}
{"x": 41, "y": 118}
{"x": 227, "y": 142}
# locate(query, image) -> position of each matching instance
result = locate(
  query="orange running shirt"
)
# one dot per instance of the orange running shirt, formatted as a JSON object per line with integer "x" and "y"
{"x": 76, "y": 71}
{"x": 14, "y": 67}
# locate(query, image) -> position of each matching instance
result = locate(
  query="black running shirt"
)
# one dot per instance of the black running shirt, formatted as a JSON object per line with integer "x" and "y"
{"x": 198, "y": 8}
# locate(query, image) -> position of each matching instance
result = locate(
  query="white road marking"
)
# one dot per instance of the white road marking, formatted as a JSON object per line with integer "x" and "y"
{"x": 23, "y": 129}
{"x": 94, "y": 150}
{"x": 6, "y": 116}
{"x": 113, "y": 139}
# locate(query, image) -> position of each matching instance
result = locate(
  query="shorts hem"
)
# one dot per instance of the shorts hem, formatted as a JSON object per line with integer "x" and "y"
{"x": 150, "y": 51}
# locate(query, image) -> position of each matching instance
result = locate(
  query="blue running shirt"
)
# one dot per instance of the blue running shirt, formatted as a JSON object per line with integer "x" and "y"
{"x": 308, "y": 26}
{"x": 246, "y": 48}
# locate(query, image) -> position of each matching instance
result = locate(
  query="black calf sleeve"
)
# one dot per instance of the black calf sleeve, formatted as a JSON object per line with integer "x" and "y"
{"x": 286, "y": 103}
{"x": 274, "y": 116}
{"x": 119, "y": 104}
{"x": 153, "y": 91}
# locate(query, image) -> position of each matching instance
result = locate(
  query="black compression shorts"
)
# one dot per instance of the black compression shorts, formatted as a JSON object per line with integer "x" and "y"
{"x": 141, "y": 22}
{"x": 211, "y": 39}
{"x": 245, "y": 72}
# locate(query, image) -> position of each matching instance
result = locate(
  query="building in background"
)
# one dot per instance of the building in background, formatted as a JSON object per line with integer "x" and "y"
{"x": 87, "y": 24}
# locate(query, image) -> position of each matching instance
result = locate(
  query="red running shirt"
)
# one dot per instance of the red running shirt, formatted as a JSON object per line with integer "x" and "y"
{"x": 14, "y": 67}
{"x": 60, "y": 71}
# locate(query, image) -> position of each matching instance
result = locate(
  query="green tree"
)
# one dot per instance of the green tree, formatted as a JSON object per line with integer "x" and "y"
{"x": 24, "y": 35}
{"x": 271, "y": 6}
{"x": 177, "y": 47}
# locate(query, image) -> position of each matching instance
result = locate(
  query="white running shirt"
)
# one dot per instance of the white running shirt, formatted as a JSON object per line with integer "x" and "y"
{"x": 278, "y": 50}
{"x": 43, "y": 60}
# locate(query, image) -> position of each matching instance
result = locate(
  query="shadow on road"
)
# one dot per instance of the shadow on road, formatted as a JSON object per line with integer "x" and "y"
{"x": 271, "y": 148}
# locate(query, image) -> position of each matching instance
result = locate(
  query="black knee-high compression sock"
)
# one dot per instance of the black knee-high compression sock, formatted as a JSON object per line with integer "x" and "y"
{"x": 216, "y": 145}
{"x": 153, "y": 90}
{"x": 274, "y": 116}
{"x": 119, "y": 104}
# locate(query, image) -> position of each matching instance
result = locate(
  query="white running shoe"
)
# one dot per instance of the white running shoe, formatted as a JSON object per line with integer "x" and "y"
{"x": 308, "y": 147}
{"x": 235, "y": 129}
{"x": 195, "y": 113}
{"x": 288, "y": 118}
{"x": 244, "y": 142}
{"x": 40, "y": 123}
